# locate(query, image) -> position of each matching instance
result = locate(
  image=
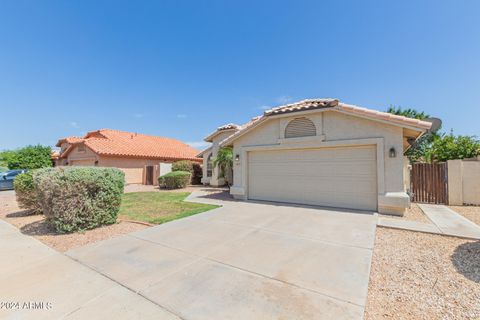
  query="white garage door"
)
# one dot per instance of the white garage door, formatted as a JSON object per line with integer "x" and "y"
{"x": 335, "y": 177}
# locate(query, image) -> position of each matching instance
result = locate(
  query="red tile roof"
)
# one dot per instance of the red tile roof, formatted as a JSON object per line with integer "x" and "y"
{"x": 129, "y": 144}
{"x": 225, "y": 127}
{"x": 70, "y": 140}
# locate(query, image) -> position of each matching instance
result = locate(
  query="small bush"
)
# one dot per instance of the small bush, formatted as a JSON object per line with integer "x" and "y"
{"x": 183, "y": 165}
{"x": 25, "y": 192}
{"x": 194, "y": 168}
{"x": 79, "y": 198}
{"x": 197, "y": 174}
{"x": 175, "y": 179}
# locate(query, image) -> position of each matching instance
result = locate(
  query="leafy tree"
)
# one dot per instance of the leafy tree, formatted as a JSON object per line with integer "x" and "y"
{"x": 4, "y": 157}
{"x": 435, "y": 146}
{"x": 224, "y": 161}
{"x": 448, "y": 147}
{"x": 416, "y": 153}
{"x": 409, "y": 112}
{"x": 30, "y": 157}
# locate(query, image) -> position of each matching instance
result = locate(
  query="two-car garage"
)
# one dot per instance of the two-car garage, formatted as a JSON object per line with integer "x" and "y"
{"x": 323, "y": 152}
{"x": 344, "y": 177}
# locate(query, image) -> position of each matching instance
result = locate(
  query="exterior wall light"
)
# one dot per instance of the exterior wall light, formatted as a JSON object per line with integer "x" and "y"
{"x": 392, "y": 153}
{"x": 237, "y": 157}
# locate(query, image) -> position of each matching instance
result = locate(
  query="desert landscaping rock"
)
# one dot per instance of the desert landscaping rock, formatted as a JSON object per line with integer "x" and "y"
{"x": 472, "y": 213}
{"x": 414, "y": 213}
{"x": 35, "y": 226}
{"x": 423, "y": 276}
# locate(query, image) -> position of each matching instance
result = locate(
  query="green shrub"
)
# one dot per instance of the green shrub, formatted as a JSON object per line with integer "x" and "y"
{"x": 194, "y": 168}
{"x": 29, "y": 157}
{"x": 183, "y": 165}
{"x": 197, "y": 174}
{"x": 79, "y": 198}
{"x": 25, "y": 193}
{"x": 175, "y": 179}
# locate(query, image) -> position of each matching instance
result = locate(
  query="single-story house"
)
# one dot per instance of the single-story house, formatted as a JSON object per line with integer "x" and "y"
{"x": 320, "y": 152}
{"x": 143, "y": 158}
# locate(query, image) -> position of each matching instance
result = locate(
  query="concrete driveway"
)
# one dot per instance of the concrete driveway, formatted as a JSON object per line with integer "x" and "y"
{"x": 246, "y": 261}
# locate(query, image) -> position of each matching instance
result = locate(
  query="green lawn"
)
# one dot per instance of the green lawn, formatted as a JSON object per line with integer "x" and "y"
{"x": 159, "y": 207}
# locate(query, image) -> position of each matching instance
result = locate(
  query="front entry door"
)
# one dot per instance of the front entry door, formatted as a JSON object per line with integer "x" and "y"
{"x": 149, "y": 176}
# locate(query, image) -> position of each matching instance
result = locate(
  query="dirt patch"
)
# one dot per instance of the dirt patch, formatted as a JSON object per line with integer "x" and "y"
{"x": 35, "y": 226}
{"x": 414, "y": 213}
{"x": 469, "y": 212}
{"x": 423, "y": 276}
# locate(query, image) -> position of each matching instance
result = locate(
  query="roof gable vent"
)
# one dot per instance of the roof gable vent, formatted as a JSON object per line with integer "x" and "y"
{"x": 300, "y": 127}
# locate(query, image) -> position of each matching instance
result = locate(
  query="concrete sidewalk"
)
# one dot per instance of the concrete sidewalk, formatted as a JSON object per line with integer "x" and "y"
{"x": 444, "y": 221}
{"x": 37, "y": 282}
{"x": 449, "y": 222}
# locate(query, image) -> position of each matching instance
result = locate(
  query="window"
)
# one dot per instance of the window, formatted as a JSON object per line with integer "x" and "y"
{"x": 209, "y": 166}
{"x": 300, "y": 127}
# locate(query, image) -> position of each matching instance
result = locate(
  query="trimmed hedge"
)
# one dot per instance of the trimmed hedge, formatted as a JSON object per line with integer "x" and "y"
{"x": 194, "y": 168}
{"x": 25, "y": 192}
{"x": 175, "y": 179}
{"x": 197, "y": 174}
{"x": 183, "y": 165}
{"x": 79, "y": 198}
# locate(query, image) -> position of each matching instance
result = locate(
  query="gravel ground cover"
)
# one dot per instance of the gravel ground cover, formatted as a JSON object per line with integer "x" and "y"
{"x": 414, "y": 213}
{"x": 469, "y": 212}
{"x": 423, "y": 276}
{"x": 34, "y": 225}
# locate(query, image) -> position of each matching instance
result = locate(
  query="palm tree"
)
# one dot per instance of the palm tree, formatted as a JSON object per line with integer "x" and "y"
{"x": 224, "y": 162}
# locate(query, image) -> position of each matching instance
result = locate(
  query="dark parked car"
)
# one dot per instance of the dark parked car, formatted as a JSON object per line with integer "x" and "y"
{"x": 7, "y": 177}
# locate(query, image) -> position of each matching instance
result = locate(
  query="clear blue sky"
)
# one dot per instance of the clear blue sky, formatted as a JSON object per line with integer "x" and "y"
{"x": 180, "y": 68}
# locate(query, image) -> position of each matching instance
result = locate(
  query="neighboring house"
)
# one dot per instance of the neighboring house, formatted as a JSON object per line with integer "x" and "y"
{"x": 323, "y": 152}
{"x": 55, "y": 156}
{"x": 143, "y": 158}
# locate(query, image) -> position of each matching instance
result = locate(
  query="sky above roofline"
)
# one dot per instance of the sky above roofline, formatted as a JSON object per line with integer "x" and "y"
{"x": 182, "y": 69}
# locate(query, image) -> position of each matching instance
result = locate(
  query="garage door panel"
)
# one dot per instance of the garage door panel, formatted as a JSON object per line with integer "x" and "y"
{"x": 322, "y": 169}
{"x": 339, "y": 177}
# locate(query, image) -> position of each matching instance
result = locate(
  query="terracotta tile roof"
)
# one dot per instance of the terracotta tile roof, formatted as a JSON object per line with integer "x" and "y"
{"x": 308, "y": 104}
{"x": 225, "y": 127}
{"x": 311, "y": 104}
{"x": 228, "y": 126}
{"x": 334, "y": 104}
{"x": 70, "y": 140}
{"x": 128, "y": 144}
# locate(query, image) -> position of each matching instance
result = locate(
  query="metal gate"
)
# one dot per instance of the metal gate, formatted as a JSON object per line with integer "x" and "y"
{"x": 429, "y": 183}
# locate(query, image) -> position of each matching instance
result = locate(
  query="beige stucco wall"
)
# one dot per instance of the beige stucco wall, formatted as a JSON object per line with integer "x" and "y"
{"x": 75, "y": 154}
{"x": 406, "y": 173}
{"x": 214, "y": 180}
{"x": 132, "y": 167}
{"x": 334, "y": 127}
{"x": 464, "y": 182}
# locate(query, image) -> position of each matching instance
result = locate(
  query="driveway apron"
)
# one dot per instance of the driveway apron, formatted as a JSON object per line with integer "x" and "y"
{"x": 246, "y": 261}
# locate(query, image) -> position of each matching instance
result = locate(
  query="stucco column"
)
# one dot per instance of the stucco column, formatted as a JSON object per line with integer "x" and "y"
{"x": 455, "y": 184}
